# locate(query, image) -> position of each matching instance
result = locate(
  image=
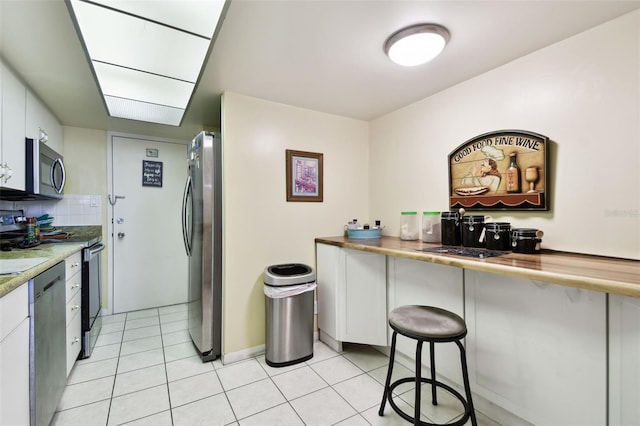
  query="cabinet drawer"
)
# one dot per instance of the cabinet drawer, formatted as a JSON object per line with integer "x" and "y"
{"x": 14, "y": 307}
{"x": 74, "y": 342}
{"x": 72, "y": 264}
{"x": 73, "y": 307}
{"x": 73, "y": 286}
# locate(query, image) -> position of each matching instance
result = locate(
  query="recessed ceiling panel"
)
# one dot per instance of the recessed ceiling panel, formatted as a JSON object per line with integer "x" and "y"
{"x": 196, "y": 16}
{"x": 118, "y": 38}
{"x": 143, "y": 111}
{"x": 130, "y": 84}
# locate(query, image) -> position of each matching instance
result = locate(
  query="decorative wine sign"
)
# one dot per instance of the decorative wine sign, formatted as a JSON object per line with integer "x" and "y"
{"x": 501, "y": 170}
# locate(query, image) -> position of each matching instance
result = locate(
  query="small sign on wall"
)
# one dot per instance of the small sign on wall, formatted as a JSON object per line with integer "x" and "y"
{"x": 152, "y": 173}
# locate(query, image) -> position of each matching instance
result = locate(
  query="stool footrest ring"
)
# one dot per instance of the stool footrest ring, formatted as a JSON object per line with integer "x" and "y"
{"x": 459, "y": 422}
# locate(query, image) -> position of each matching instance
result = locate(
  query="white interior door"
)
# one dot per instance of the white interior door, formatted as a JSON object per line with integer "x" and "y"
{"x": 149, "y": 260}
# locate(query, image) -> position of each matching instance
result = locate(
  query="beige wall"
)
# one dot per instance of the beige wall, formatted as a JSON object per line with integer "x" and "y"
{"x": 85, "y": 158}
{"x": 583, "y": 93}
{"x": 261, "y": 227}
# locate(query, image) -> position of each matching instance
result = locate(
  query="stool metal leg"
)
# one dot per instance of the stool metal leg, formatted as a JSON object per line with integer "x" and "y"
{"x": 416, "y": 416}
{"x": 467, "y": 387}
{"x": 432, "y": 354}
{"x": 387, "y": 391}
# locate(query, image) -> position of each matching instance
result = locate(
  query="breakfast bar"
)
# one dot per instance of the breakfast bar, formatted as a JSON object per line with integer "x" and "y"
{"x": 553, "y": 338}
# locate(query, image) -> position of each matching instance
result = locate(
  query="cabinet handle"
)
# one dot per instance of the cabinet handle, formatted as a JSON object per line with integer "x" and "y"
{"x": 75, "y": 264}
{"x": 75, "y": 307}
{"x": 76, "y": 285}
{"x": 76, "y": 340}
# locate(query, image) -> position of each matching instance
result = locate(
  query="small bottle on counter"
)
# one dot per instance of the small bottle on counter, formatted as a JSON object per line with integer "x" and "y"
{"x": 409, "y": 226}
{"x": 31, "y": 230}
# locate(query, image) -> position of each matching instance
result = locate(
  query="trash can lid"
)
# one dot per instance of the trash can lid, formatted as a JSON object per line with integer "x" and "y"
{"x": 288, "y": 274}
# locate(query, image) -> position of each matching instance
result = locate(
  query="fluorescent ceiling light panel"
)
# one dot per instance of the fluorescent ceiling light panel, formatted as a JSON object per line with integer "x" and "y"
{"x": 142, "y": 111}
{"x": 131, "y": 84}
{"x": 117, "y": 38}
{"x": 147, "y": 52}
{"x": 194, "y": 16}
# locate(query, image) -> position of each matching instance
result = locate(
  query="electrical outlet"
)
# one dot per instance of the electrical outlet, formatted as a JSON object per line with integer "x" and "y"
{"x": 93, "y": 201}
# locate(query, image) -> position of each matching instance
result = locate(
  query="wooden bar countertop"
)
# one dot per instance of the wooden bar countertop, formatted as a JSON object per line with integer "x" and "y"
{"x": 599, "y": 273}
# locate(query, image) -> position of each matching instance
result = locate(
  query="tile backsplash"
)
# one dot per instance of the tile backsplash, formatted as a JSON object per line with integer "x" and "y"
{"x": 72, "y": 210}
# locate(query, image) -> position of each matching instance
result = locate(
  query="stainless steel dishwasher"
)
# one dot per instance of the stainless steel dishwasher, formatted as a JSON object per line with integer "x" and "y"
{"x": 47, "y": 345}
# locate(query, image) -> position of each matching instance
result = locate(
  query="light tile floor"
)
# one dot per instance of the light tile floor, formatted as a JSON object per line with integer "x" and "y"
{"x": 145, "y": 371}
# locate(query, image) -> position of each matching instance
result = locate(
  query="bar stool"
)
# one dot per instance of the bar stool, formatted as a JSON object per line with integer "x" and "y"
{"x": 433, "y": 325}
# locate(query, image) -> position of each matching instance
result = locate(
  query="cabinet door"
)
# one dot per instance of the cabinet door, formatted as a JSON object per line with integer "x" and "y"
{"x": 14, "y": 376}
{"x": 412, "y": 282}
{"x": 39, "y": 118}
{"x": 74, "y": 342}
{"x": 537, "y": 349}
{"x": 362, "y": 303}
{"x": 624, "y": 360}
{"x": 329, "y": 261}
{"x": 12, "y": 145}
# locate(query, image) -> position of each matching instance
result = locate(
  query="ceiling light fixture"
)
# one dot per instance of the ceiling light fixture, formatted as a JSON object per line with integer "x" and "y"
{"x": 147, "y": 57}
{"x": 416, "y": 44}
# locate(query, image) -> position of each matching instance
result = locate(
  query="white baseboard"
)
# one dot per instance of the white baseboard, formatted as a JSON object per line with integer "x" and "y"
{"x": 231, "y": 357}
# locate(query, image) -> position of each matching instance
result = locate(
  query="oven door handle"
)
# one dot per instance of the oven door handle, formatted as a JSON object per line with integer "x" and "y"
{"x": 91, "y": 252}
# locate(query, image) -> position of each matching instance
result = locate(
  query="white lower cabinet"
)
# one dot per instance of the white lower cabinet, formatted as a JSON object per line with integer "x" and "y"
{"x": 429, "y": 284}
{"x": 14, "y": 358}
{"x": 362, "y": 301}
{"x": 624, "y": 360}
{"x": 537, "y": 349}
{"x": 352, "y": 296}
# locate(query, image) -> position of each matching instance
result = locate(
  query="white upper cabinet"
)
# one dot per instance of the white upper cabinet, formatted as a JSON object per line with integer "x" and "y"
{"x": 12, "y": 146}
{"x": 42, "y": 124}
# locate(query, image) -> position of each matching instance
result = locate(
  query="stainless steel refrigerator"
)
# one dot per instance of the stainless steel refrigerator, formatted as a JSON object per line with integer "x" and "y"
{"x": 202, "y": 232}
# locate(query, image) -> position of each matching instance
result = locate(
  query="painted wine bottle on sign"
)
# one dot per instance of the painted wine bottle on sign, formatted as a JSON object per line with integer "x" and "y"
{"x": 513, "y": 175}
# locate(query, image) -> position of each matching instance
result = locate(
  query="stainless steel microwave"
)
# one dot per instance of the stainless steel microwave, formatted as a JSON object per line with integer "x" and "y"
{"x": 45, "y": 171}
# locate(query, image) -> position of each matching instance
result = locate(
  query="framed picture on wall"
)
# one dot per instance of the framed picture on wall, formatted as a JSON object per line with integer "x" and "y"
{"x": 304, "y": 176}
{"x": 500, "y": 170}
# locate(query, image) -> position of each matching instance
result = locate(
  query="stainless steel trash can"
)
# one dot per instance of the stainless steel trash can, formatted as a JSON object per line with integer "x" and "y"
{"x": 289, "y": 290}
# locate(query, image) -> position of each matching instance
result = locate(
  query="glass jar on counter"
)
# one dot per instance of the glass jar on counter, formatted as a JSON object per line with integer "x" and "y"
{"x": 431, "y": 227}
{"x": 498, "y": 235}
{"x": 473, "y": 232}
{"x": 526, "y": 240}
{"x": 450, "y": 223}
{"x": 409, "y": 229}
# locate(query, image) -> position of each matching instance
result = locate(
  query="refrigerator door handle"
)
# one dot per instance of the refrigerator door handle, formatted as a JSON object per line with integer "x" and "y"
{"x": 186, "y": 199}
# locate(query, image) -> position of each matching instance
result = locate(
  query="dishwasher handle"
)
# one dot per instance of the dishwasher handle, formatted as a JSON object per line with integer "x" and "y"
{"x": 93, "y": 251}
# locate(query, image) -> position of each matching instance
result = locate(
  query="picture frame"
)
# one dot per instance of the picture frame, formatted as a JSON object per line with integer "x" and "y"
{"x": 500, "y": 170}
{"x": 304, "y": 176}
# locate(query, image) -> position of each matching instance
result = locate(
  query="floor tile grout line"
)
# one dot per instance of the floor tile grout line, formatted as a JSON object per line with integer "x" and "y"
{"x": 115, "y": 375}
{"x": 166, "y": 372}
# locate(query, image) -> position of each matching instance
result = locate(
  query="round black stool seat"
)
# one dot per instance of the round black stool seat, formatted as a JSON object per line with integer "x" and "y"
{"x": 427, "y": 323}
{"x": 433, "y": 325}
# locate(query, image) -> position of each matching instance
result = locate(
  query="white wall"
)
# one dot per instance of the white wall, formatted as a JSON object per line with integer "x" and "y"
{"x": 583, "y": 93}
{"x": 261, "y": 227}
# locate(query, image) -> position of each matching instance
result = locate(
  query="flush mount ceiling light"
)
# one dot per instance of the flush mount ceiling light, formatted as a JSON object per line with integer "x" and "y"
{"x": 147, "y": 56}
{"x": 416, "y": 44}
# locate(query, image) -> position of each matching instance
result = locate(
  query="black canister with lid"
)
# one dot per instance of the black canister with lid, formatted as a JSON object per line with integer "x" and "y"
{"x": 498, "y": 235}
{"x": 526, "y": 240}
{"x": 450, "y": 228}
{"x": 473, "y": 231}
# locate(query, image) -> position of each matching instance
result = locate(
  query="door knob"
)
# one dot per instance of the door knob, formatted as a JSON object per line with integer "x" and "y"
{"x": 120, "y": 234}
